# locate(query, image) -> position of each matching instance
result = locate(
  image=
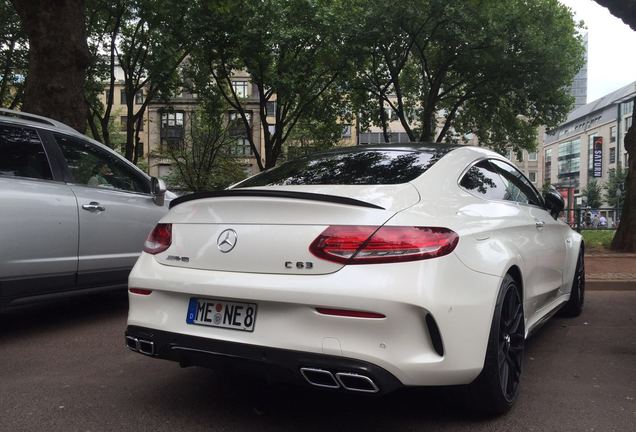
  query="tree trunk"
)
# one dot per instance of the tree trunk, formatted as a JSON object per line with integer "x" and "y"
{"x": 58, "y": 59}
{"x": 625, "y": 237}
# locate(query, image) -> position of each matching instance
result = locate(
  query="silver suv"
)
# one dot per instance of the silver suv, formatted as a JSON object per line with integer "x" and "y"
{"x": 73, "y": 213}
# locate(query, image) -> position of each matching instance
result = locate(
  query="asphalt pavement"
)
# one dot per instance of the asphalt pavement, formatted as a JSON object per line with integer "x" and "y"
{"x": 64, "y": 367}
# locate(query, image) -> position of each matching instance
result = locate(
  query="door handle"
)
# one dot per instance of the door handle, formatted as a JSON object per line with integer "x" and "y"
{"x": 94, "y": 206}
{"x": 539, "y": 223}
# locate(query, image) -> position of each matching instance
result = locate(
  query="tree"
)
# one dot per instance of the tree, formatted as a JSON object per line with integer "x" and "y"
{"x": 448, "y": 68}
{"x": 13, "y": 56}
{"x": 592, "y": 192}
{"x": 625, "y": 237}
{"x": 203, "y": 162}
{"x": 615, "y": 187}
{"x": 292, "y": 51}
{"x": 58, "y": 59}
{"x": 144, "y": 38}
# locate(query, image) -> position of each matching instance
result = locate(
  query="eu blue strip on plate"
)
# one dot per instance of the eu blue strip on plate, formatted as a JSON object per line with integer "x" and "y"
{"x": 192, "y": 311}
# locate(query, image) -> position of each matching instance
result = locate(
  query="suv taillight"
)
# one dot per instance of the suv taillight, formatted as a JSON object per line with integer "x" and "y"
{"x": 368, "y": 244}
{"x": 159, "y": 239}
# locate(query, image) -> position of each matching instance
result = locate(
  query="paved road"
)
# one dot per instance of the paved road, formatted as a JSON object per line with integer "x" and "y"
{"x": 64, "y": 368}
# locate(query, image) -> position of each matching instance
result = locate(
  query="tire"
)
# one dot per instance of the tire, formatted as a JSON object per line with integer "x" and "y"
{"x": 496, "y": 388}
{"x": 574, "y": 306}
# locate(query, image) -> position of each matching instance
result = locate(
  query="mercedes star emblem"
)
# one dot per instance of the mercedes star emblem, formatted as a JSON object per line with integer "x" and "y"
{"x": 226, "y": 240}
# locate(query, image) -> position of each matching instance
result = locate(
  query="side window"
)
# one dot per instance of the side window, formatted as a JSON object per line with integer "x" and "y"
{"x": 22, "y": 154}
{"x": 92, "y": 167}
{"x": 518, "y": 188}
{"x": 482, "y": 180}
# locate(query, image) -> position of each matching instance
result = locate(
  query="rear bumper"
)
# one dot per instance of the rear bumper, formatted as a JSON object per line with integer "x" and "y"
{"x": 284, "y": 365}
{"x": 460, "y": 301}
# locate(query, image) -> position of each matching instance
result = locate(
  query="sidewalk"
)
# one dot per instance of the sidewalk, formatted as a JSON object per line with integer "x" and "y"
{"x": 610, "y": 271}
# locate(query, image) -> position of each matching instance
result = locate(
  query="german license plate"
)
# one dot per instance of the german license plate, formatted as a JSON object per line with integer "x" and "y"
{"x": 217, "y": 313}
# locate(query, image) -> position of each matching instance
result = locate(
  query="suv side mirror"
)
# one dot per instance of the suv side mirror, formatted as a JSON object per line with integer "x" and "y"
{"x": 158, "y": 190}
{"x": 554, "y": 202}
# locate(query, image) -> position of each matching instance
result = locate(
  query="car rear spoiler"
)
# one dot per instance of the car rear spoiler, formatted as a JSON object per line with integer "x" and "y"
{"x": 274, "y": 194}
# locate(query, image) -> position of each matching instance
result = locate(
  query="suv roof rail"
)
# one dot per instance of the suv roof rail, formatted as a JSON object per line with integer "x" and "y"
{"x": 34, "y": 117}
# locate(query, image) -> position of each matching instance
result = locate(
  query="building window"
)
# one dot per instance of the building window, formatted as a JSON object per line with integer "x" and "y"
{"x": 236, "y": 127}
{"x": 628, "y": 124}
{"x": 171, "y": 119}
{"x": 346, "y": 131}
{"x": 547, "y": 163}
{"x": 122, "y": 97}
{"x": 613, "y": 134}
{"x": 270, "y": 108}
{"x": 612, "y": 155}
{"x": 627, "y": 107}
{"x": 124, "y": 123}
{"x": 569, "y": 162}
{"x": 532, "y": 176}
{"x": 241, "y": 147}
{"x": 532, "y": 156}
{"x": 172, "y": 131}
{"x": 241, "y": 88}
{"x": 139, "y": 97}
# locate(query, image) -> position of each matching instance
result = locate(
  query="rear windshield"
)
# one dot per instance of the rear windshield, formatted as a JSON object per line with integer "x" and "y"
{"x": 367, "y": 167}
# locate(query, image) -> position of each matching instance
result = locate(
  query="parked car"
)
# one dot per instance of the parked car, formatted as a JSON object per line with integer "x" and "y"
{"x": 74, "y": 214}
{"x": 364, "y": 269}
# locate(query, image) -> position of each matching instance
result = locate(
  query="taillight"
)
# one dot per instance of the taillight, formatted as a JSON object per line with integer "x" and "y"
{"x": 159, "y": 239}
{"x": 367, "y": 244}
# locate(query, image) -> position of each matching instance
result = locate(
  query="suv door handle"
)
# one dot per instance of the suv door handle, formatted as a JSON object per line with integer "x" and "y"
{"x": 93, "y": 206}
{"x": 539, "y": 223}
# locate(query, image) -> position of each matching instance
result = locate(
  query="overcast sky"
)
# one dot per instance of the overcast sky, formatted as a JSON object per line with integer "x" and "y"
{"x": 611, "y": 60}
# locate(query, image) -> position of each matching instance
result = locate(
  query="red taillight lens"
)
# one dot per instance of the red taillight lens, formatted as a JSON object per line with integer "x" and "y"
{"x": 159, "y": 239}
{"x": 140, "y": 291}
{"x": 350, "y": 313}
{"x": 367, "y": 244}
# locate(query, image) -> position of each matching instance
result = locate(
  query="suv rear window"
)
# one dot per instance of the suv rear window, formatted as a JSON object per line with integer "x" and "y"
{"x": 359, "y": 167}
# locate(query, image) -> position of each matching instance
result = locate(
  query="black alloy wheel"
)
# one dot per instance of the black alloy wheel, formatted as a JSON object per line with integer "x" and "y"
{"x": 511, "y": 342}
{"x": 496, "y": 388}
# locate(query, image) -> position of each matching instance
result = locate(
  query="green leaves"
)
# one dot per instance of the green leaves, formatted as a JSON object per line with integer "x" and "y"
{"x": 456, "y": 67}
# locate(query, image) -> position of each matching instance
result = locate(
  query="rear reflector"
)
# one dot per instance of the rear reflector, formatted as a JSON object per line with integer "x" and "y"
{"x": 159, "y": 239}
{"x": 350, "y": 313}
{"x": 140, "y": 291}
{"x": 367, "y": 244}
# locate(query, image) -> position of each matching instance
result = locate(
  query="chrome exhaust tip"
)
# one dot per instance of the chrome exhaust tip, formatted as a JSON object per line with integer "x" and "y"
{"x": 319, "y": 377}
{"x": 356, "y": 382}
{"x": 132, "y": 343}
{"x": 146, "y": 347}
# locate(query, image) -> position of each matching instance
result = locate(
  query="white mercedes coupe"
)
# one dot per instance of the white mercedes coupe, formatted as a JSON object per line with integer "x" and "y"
{"x": 362, "y": 269}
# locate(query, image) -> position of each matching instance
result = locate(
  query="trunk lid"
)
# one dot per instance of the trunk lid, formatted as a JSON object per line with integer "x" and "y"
{"x": 269, "y": 229}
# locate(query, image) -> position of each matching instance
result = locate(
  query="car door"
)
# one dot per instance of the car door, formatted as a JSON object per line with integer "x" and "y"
{"x": 38, "y": 218}
{"x": 116, "y": 211}
{"x": 544, "y": 244}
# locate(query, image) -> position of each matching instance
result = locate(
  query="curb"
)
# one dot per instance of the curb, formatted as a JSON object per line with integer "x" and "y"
{"x": 610, "y": 285}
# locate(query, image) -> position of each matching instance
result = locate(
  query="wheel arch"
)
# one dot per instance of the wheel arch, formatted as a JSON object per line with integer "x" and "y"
{"x": 515, "y": 272}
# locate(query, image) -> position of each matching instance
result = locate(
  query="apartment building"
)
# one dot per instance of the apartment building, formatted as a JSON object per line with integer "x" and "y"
{"x": 589, "y": 144}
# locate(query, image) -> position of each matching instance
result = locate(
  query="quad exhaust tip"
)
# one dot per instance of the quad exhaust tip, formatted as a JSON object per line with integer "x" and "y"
{"x": 356, "y": 382}
{"x": 319, "y": 377}
{"x": 140, "y": 345}
{"x": 347, "y": 380}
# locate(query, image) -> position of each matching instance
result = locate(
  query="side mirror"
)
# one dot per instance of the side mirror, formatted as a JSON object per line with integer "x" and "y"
{"x": 158, "y": 190}
{"x": 554, "y": 202}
